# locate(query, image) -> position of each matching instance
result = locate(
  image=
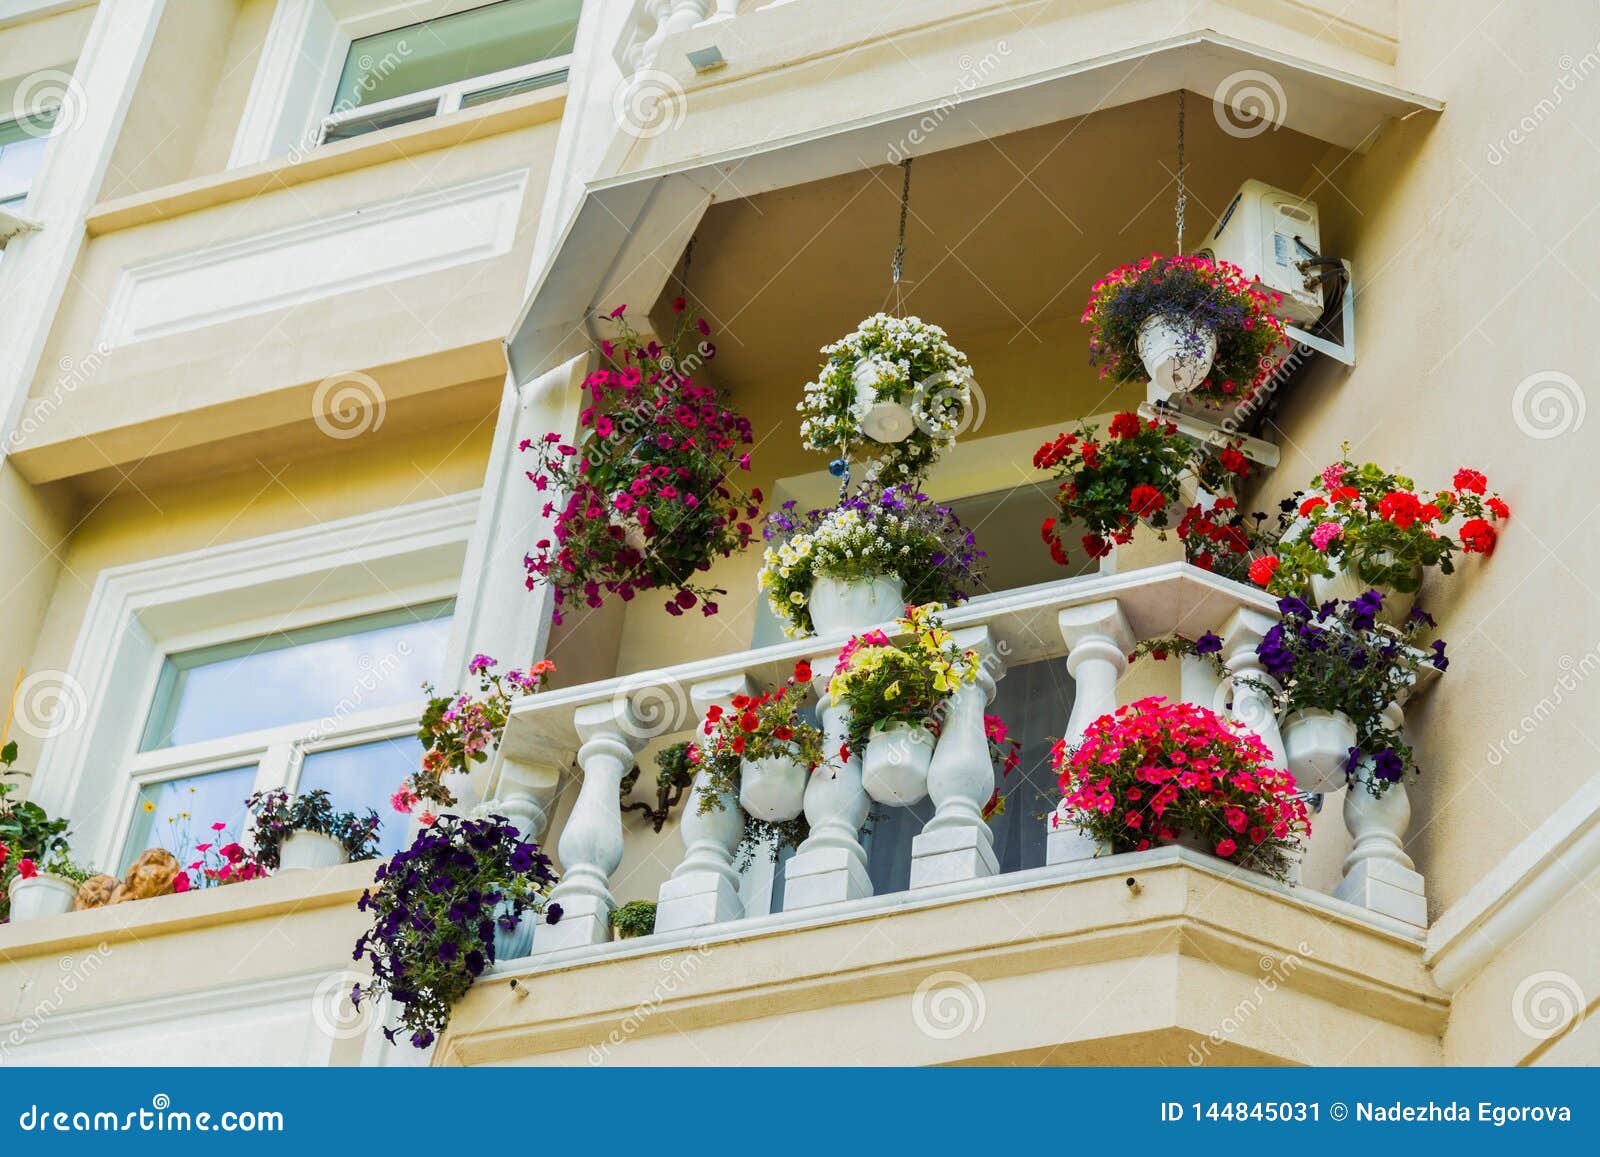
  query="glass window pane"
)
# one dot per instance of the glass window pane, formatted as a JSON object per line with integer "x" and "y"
{"x": 365, "y": 776}
{"x": 513, "y": 88}
{"x": 22, "y": 144}
{"x": 361, "y": 125}
{"x": 312, "y": 674}
{"x": 455, "y": 48}
{"x": 178, "y": 814}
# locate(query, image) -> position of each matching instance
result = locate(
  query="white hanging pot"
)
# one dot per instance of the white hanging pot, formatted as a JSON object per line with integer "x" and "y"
{"x": 843, "y": 606}
{"x": 1176, "y": 352}
{"x": 303, "y": 849}
{"x": 894, "y": 767}
{"x": 632, "y": 533}
{"x": 41, "y": 895}
{"x": 882, "y": 419}
{"x": 1346, "y": 585}
{"x": 518, "y": 942}
{"x": 1318, "y": 744}
{"x": 772, "y": 788}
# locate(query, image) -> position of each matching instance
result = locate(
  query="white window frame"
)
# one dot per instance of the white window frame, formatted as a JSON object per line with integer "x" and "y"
{"x": 141, "y": 613}
{"x": 446, "y": 98}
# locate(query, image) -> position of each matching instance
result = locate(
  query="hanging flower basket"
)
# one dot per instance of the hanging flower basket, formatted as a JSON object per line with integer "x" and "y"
{"x": 895, "y": 392}
{"x": 1191, "y": 326}
{"x": 645, "y": 497}
{"x": 862, "y": 561}
{"x": 894, "y": 766}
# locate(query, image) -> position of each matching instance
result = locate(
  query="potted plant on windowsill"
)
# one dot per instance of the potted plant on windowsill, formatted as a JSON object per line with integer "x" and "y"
{"x": 1340, "y": 670}
{"x": 27, "y": 834}
{"x": 1363, "y": 527}
{"x": 47, "y": 890}
{"x": 861, "y": 562}
{"x": 1190, "y": 325}
{"x": 897, "y": 691}
{"x": 1156, "y": 773}
{"x": 895, "y": 391}
{"x": 774, "y": 749}
{"x": 305, "y": 832}
{"x": 634, "y": 919}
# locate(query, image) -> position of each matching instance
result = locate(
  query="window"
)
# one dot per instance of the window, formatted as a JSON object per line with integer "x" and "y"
{"x": 329, "y": 705}
{"x": 453, "y": 62}
{"x": 22, "y": 145}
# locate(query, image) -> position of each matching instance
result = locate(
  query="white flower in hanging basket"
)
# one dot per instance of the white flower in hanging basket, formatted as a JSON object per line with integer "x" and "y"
{"x": 895, "y": 392}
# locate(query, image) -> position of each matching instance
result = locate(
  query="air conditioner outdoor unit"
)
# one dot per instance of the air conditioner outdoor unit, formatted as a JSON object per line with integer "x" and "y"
{"x": 1267, "y": 233}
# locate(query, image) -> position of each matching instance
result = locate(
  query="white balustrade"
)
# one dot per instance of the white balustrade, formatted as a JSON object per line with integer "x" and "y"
{"x": 956, "y": 843}
{"x": 830, "y": 865}
{"x": 704, "y": 888}
{"x": 1377, "y": 873}
{"x": 1253, "y": 688}
{"x": 1098, "y": 641}
{"x": 591, "y": 843}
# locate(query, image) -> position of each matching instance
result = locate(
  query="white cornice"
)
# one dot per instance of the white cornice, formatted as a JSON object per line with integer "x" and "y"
{"x": 1517, "y": 891}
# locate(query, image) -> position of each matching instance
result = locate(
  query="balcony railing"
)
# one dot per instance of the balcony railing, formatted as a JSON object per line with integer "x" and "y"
{"x": 1094, "y": 622}
{"x": 652, "y": 21}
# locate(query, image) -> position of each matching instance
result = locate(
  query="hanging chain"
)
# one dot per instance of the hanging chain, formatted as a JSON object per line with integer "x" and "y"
{"x": 897, "y": 267}
{"x": 1183, "y": 193}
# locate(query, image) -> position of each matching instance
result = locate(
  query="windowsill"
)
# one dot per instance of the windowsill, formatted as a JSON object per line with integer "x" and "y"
{"x": 293, "y": 891}
{"x": 408, "y": 140}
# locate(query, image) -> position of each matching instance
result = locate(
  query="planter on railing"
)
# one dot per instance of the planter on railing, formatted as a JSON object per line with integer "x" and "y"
{"x": 894, "y": 766}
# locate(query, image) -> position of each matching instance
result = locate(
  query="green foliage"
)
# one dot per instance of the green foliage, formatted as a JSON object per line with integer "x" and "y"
{"x": 635, "y": 918}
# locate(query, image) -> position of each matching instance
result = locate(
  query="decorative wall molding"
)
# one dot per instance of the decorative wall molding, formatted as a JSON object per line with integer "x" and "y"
{"x": 356, "y": 249}
{"x": 1518, "y": 891}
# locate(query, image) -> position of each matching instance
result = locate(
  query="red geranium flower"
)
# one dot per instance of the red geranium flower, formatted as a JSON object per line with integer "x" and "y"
{"x": 1125, "y": 425}
{"x": 1400, "y": 507}
{"x": 1470, "y": 480}
{"x": 1311, "y": 504}
{"x": 1477, "y": 537}
{"x": 1498, "y": 509}
{"x": 1145, "y": 500}
{"x": 1262, "y": 569}
{"x": 27, "y": 869}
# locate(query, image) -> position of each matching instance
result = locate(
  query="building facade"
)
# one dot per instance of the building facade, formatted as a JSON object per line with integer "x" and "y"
{"x": 286, "y": 285}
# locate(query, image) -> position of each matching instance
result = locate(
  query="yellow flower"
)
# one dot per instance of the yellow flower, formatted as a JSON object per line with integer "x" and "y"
{"x": 892, "y": 690}
{"x": 797, "y": 598}
{"x": 149, "y": 806}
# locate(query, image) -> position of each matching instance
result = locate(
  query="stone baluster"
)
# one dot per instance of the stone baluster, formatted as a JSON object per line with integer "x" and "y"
{"x": 1098, "y": 641}
{"x": 1253, "y": 688}
{"x": 957, "y": 843}
{"x": 1377, "y": 873}
{"x": 591, "y": 843}
{"x": 704, "y": 888}
{"x": 525, "y": 796}
{"x": 726, "y": 10}
{"x": 830, "y": 865}
{"x": 1198, "y": 682}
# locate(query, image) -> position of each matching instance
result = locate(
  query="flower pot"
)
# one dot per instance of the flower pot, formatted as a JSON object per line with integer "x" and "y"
{"x": 1318, "y": 744}
{"x": 41, "y": 895}
{"x": 1346, "y": 585}
{"x": 303, "y": 849}
{"x": 632, "y": 533}
{"x": 894, "y": 767}
{"x": 772, "y": 788}
{"x": 1176, "y": 352}
{"x": 882, "y": 419}
{"x": 516, "y": 943}
{"x": 842, "y": 606}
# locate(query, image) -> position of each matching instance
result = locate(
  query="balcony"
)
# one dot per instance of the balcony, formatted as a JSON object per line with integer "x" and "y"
{"x": 1178, "y": 937}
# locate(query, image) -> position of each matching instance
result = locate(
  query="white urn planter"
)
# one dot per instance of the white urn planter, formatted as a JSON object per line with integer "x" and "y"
{"x": 843, "y": 606}
{"x": 1177, "y": 353}
{"x": 894, "y": 767}
{"x": 1318, "y": 744}
{"x": 1346, "y": 585}
{"x": 772, "y": 788}
{"x": 516, "y": 943}
{"x": 882, "y": 419}
{"x": 41, "y": 895}
{"x": 303, "y": 849}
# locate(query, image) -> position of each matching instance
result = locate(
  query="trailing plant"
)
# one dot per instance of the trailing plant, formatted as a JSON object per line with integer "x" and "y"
{"x": 905, "y": 679}
{"x": 1376, "y": 524}
{"x": 1217, "y": 537}
{"x": 276, "y": 815}
{"x": 755, "y": 727}
{"x": 899, "y": 359}
{"x": 435, "y": 912}
{"x": 459, "y": 730}
{"x": 635, "y": 918}
{"x": 875, "y": 532}
{"x": 1340, "y": 657}
{"x": 642, "y": 498}
{"x": 1109, "y": 484}
{"x": 1215, "y": 296}
{"x": 1154, "y": 771}
{"x": 1005, "y": 753}
{"x": 674, "y": 773}
{"x": 26, "y": 830}
{"x": 1208, "y": 648}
